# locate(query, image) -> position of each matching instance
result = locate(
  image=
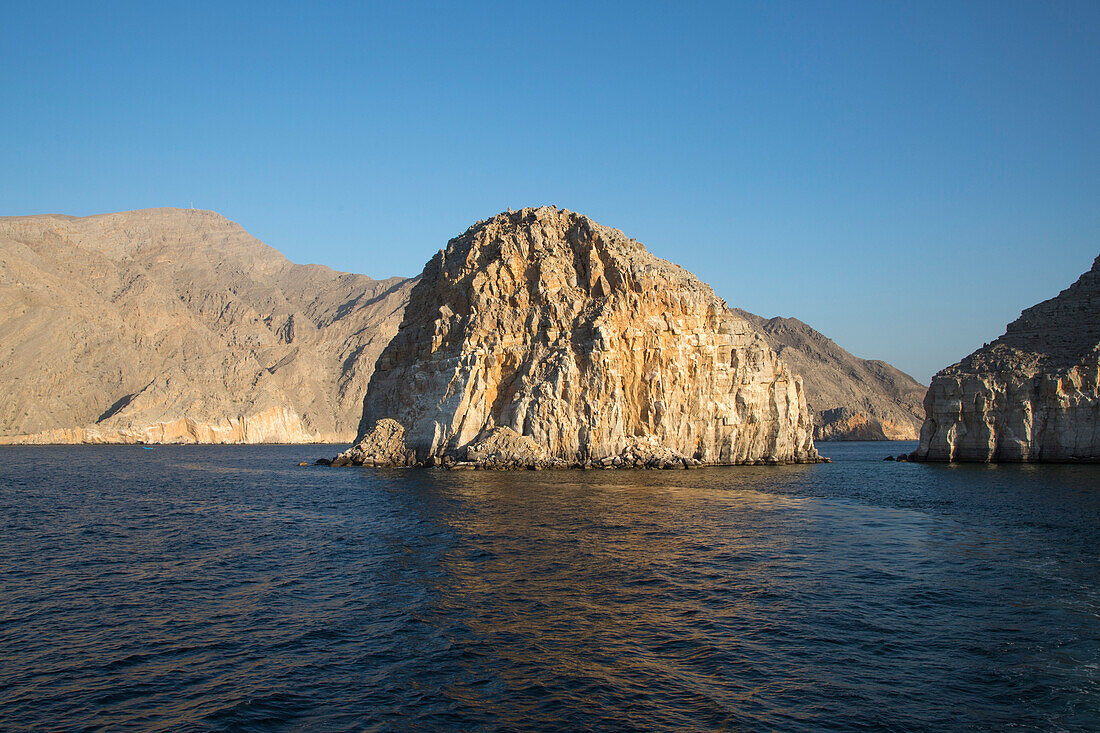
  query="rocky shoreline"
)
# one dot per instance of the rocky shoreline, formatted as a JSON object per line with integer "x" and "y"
{"x": 451, "y": 464}
{"x": 504, "y": 449}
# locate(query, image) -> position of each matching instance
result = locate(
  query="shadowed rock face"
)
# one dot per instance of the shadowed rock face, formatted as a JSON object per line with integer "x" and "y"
{"x": 172, "y": 325}
{"x": 851, "y": 398}
{"x": 1031, "y": 395}
{"x": 568, "y": 333}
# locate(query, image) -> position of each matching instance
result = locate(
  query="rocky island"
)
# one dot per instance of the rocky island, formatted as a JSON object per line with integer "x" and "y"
{"x": 1030, "y": 396}
{"x": 540, "y": 338}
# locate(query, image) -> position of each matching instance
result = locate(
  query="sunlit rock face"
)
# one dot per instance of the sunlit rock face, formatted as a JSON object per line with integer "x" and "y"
{"x": 1031, "y": 395}
{"x": 573, "y": 335}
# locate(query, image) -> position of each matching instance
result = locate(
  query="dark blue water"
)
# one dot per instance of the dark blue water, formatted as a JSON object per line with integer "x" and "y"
{"x": 223, "y": 588}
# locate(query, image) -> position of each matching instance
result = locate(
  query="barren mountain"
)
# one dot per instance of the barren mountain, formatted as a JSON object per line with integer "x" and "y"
{"x": 852, "y": 398}
{"x": 177, "y": 325}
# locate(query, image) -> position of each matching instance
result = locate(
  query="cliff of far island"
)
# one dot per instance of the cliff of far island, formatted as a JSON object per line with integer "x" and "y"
{"x": 175, "y": 325}
{"x": 1031, "y": 395}
{"x": 542, "y": 338}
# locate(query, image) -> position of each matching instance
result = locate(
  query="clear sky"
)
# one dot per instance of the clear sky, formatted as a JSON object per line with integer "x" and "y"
{"x": 904, "y": 177}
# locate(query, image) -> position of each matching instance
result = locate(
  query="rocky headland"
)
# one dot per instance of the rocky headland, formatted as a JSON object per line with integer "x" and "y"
{"x": 176, "y": 325}
{"x": 1031, "y": 395}
{"x": 851, "y": 398}
{"x": 540, "y": 338}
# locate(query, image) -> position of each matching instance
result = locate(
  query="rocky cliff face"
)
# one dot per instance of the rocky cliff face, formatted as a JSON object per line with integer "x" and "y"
{"x": 851, "y": 398}
{"x": 174, "y": 325}
{"x": 541, "y": 325}
{"x": 1031, "y": 395}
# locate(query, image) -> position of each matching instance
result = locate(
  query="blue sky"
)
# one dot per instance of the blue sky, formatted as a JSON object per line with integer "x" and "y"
{"x": 904, "y": 177}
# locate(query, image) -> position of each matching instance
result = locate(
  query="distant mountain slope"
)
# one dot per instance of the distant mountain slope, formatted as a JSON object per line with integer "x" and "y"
{"x": 852, "y": 398}
{"x": 177, "y": 325}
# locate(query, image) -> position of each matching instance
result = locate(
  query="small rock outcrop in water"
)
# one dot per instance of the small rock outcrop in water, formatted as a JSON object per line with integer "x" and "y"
{"x": 1031, "y": 395}
{"x": 575, "y": 341}
{"x": 384, "y": 445}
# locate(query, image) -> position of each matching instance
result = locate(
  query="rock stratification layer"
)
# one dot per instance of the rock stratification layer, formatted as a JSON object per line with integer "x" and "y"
{"x": 570, "y": 334}
{"x": 1031, "y": 395}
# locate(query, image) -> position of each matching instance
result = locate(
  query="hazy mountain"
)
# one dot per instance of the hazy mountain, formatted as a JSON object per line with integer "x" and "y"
{"x": 852, "y": 398}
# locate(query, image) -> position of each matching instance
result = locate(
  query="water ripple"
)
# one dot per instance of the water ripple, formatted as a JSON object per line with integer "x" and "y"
{"x": 223, "y": 588}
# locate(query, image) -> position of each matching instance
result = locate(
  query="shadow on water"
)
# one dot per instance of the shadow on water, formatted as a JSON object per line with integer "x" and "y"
{"x": 225, "y": 588}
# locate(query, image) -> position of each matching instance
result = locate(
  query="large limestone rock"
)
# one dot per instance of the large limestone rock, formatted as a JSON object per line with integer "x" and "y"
{"x": 851, "y": 398}
{"x": 173, "y": 325}
{"x": 1031, "y": 395}
{"x": 571, "y": 335}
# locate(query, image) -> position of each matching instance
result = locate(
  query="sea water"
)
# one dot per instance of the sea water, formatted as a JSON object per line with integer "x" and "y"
{"x": 226, "y": 588}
